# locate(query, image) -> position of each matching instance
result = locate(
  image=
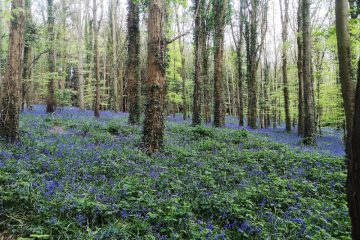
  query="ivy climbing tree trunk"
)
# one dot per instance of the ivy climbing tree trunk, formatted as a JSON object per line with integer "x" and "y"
{"x": 133, "y": 69}
{"x": 11, "y": 96}
{"x": 199, "y": 35}
{"x": 285, "y": 21}
{"x": 301, "y": 117}
{"x": 51, "y": 99}
{"x": 153, "y": 131}
{"x": 238, "y": 40}
{"x": 309, "y": 120}
{"x": 27, "y": 72}
{"x": 220, "y": 8}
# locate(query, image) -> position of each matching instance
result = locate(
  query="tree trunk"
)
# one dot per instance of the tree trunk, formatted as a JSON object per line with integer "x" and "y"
{"x": 96, "y": 61}
{"x": 153, "y": 131}
{"x": 252, "y": 65}
{"x": 115, "y": 80}
{"x": 345, "y": 69}
{"x": 1, "y": 45}
{"x": 11, "y": 98}
{"x": 309, "y": 127}
{"x": 26, "y": 72}
{"x": 285, "y": 21}
{"x": 301, "y": 117}
{"x": 220, "y": 16}
{"x": 182, "y": 69}
{"x": 354, "y": 168}
{"x": 51, "y": 100}
{"x": 205, "y": 77}
{"x": 80, "y": 40}
{"x": 133, "y": 70}
{"x": 199, "y": 33}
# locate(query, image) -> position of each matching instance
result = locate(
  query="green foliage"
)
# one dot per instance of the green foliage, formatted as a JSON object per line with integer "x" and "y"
{"x": 91, "y": 181}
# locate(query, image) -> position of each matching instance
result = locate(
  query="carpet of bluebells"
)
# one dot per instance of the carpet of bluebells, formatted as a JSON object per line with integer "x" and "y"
{"x": 75, "y": 177}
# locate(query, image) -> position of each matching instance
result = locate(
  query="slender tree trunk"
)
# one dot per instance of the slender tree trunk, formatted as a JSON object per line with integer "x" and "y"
{"x": 266, "y": 95}
{"x": 153, "y": 131}
{"x": 205, "y": 78}
{"x": 309, "y": 127}
{"x": 199, "y": 36}
{"x": 115, "y": 82}
{"x": 219, "y": 108}
{"x": 345, "y": 68}
{"x": 51, "y": 100}
{"x": 26, "y": 72}
{"x": 11, "y": 97}
{"x": 354, "y": 168}
{"x": 285, "y": 21}
{"x": 80, "y": 40}
{"x": 96, "y": 61}
{"x": 252, "y": 35}
{"x": 133, "y": 69}
{"x": 301, "y": 117}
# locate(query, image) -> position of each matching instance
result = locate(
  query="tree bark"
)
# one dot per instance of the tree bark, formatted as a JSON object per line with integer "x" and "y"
{"x": 133, "y": 69}
{"x": 1, "y": 45}
{"x": 153, "y": 131}
{"x": 80, "y": 40}
{"x": 252, "y": 64}
{"x": 301, "y": 117}
{"x": 11, "y": 98}
{"x": 285, "y": 21}
{"x": 51, "y": 100}
{"x": 96, "y": 61}
{"x": 309, "y": 127}
{"x": 116, "y": 102}
{"x": 220, "y": 8}
{"x": 354, "y": 167}
{"x": 205, "y": 77}
{"x": 199, "y": 35}
{"x": 345, "y": 68}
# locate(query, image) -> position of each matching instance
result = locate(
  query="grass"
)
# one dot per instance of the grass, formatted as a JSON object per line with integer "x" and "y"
{"x": 75, "y": 177}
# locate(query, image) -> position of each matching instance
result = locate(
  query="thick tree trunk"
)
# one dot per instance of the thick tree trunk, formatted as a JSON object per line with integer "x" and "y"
{"x": 133, "y": 69}
{"x": 153, "y": 131}
{"x": 309, "y": 127}
{"x": 199, "y": 36}
{"x": 285, "y": 21}
{"x": 11, "y": 97}
{"x": 219, "y": 108}
{"x": 354, "y": 168}
{"x": 96, "y": 61}
{"x": 345, "y": 69}
{"x": 51, "y": 100}
{"x": 301, "y": 117}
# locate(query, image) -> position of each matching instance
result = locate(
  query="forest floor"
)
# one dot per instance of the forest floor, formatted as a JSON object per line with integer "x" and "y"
{"x": 76, "y": 177}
